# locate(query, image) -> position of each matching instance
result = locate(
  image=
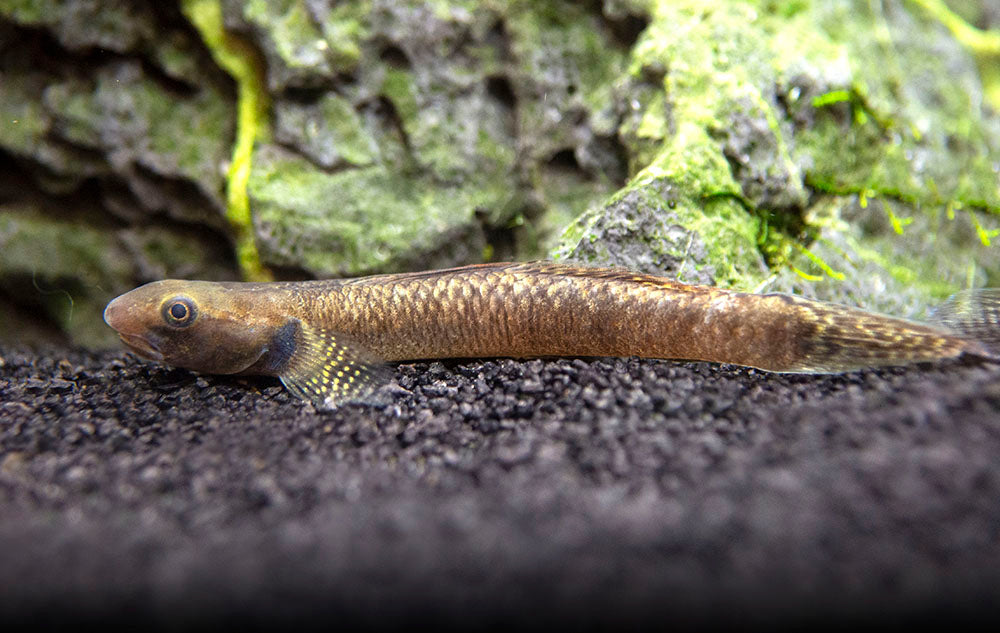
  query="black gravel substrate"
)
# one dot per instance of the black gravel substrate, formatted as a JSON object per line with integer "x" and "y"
{"x": 499, "y": 493}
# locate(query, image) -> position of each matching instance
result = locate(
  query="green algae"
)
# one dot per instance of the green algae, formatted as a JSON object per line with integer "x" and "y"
{"x": 330, "y": 132}
{"x": 447, "y": 133}
{"x": 25, "y": 119}
{"x": 562, "y": 47}
{"x": 399, "y": 89}
{"x": 360, "y": 220}
{"x": 775, "y": 107}
{"x": 592, "y": 63}
{"x": 344, "y": 29}
{"x": 675, "y": 136}
{"x": 653, "y": 225}
{"x": 29, "y": 11}
{"x": 111, "y": 26}
{"x": 172, "y": 137}
{"x": 298, "y": 42}
{"x": 105, "y": 128}
{"x": 835, "y": 148}
{"x": 918, "y": 150}
{"x": 304, "y": 48}
{"x": 874, "y": 265}
{"x": 564, "y": 61}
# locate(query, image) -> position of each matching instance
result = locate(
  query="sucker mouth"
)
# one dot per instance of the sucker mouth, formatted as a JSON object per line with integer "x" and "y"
{"x": 141, "y": 346}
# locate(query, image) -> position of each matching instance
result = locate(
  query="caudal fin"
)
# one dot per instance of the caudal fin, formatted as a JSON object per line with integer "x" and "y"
{"x": 975, "y": 315}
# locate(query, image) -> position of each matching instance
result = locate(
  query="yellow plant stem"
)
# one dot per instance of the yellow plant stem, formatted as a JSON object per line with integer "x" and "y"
{"x": 242, "y": 63}
{"x": 984, "y": 45}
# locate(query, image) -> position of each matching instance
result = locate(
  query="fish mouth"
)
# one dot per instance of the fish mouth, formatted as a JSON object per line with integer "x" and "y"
{"x": 141, "y": 346}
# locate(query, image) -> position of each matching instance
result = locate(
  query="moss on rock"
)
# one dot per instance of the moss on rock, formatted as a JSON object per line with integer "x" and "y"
{"x": 362, "y": 220}
{"x": 776, "y": 107}
{"x": 837, "y": 148}
{"x": 110, "y": 138}
{"x": 329, "y": 132}
{"x": 654, "y": 226}
{"x": 305, "y": 43}
{"x": 455, "y": 124}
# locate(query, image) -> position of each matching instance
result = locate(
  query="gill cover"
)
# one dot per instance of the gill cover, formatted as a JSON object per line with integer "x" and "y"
{"x": 231, "y": 328}
{"x": 198, "y": 325}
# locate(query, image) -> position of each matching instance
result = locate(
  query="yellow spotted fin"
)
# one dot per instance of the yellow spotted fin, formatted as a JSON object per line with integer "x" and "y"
{"x": 329, "y": 369}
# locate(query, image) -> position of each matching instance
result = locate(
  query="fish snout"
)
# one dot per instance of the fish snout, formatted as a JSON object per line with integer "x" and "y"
{"x": 115, "y": 314}
{"x": 118, "y": 315}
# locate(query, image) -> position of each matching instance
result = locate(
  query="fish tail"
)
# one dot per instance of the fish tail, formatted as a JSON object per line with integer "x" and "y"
{"x": 836, "y": 338}
{"x": 974, "y": 315}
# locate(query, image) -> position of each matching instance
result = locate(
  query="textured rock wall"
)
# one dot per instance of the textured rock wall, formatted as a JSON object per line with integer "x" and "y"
{"x": 840, "y": 149}
{"x": 115, "y": 129}
{"x": 837, "y": 148}
{"x": 419, "y": 133}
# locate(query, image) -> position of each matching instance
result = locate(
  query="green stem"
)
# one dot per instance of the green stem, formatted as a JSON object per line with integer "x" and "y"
{"x": 241, "y": 61}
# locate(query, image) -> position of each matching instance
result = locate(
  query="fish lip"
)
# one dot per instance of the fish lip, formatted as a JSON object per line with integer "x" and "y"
{"x": 141, "y": 346}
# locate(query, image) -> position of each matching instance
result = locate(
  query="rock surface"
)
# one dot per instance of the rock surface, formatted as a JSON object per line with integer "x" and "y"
{"x": 749, "y": 144}
{"x": 499, "y": 493}
{"x": 768, "y": 153}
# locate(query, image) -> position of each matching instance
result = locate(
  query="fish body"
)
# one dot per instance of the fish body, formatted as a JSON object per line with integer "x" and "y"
{"x": 328, "y": 340}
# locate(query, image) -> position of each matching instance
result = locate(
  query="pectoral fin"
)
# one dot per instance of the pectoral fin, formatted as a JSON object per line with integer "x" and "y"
{"x": 329, "y": 368}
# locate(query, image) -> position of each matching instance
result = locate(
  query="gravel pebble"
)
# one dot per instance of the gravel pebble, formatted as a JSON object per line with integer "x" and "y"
{"x": 499, "y": 492}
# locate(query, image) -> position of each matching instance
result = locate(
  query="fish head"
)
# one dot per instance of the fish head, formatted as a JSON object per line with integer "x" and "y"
{"x": 217, "y": 328}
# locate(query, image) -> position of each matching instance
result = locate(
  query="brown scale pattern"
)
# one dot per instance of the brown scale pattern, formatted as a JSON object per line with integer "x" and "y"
{"x": 533, "y": 310}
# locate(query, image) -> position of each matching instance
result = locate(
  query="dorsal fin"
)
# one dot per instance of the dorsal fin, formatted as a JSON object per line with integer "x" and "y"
{"x": 539, "y": 267}
{"x": 617, "y": 274}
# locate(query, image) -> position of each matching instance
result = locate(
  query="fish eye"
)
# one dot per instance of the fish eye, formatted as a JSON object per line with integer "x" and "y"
{"x": 179, "y": 312}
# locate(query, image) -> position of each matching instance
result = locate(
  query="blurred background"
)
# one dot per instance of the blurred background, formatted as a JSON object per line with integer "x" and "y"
{"x": 844, "y": 149}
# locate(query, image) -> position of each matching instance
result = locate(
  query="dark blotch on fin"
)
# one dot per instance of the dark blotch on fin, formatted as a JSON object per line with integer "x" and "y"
{"x": 329, "y": 369}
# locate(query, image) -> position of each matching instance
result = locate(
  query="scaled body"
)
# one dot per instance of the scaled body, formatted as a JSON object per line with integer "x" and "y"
{"x": 326, "y": 339}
